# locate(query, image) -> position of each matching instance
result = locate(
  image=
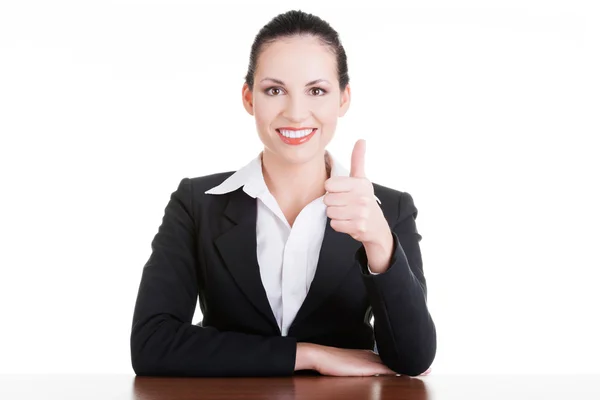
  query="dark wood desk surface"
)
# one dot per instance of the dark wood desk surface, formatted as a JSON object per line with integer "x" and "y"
{"x": 434, "y": 387}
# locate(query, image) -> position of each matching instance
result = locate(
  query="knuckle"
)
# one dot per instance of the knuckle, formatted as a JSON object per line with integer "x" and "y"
{"x": 362, "y": 227}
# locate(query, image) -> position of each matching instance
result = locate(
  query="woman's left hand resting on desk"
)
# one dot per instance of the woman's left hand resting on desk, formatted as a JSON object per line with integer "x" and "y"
{"x": 353, "y": 209}
{"x": 333, "y": 361}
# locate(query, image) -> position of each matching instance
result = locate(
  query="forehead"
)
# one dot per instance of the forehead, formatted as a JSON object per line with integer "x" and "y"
{"x": 297, "y": 58}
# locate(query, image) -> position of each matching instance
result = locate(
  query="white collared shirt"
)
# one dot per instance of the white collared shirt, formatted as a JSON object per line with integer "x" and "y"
{"x": 287, "y": 255}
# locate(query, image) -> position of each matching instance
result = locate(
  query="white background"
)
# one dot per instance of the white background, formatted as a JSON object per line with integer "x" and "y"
{"x": 488, "y": 109}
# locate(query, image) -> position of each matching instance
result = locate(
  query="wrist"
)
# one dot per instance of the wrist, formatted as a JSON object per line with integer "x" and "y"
{"x": 379, "y": 253}
{"x": 305, "y": 356}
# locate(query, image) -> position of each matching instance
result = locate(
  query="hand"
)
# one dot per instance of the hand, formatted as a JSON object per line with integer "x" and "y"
{"x": 334, "y": 361}
{"x": 352, "y": 206}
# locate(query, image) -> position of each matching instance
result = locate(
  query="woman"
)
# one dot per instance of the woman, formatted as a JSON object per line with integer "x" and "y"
{"x": 291, "y": 255}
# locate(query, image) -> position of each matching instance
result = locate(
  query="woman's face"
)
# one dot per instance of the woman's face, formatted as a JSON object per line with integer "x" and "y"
{"x": 296, "y": 86}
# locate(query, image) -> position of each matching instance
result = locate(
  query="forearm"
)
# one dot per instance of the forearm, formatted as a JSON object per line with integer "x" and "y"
{"x": 166, "y": 347}
{"x": 404, "y": 330}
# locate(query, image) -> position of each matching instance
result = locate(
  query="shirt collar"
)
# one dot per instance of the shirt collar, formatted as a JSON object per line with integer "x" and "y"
{"x": 251, "y": 177}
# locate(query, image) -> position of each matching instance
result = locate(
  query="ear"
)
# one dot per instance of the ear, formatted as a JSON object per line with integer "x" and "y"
{"x": 247, "y": 99}
{"x": 344, "y": 101}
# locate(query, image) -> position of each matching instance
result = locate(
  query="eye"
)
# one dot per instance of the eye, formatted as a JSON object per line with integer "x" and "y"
{"x": 322, "y": 90}
{"x": 267, "y": 91}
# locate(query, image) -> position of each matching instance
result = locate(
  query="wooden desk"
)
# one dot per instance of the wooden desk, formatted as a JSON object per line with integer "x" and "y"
{"x": 433, "y": 387}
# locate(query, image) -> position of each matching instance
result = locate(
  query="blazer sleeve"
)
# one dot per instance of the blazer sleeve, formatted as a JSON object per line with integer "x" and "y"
{"x": 404, "y": 330}
{"x": 163, "y": 340}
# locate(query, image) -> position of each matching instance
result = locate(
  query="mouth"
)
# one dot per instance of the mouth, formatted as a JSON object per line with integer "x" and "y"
{"x": 296, "y": 137}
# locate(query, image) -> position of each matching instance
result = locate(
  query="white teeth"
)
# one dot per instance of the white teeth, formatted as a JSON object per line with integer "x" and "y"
{"x": 295, "y": 134}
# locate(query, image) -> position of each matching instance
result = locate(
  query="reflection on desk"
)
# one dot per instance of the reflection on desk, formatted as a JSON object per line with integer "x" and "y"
{"x": 282, "y": 388}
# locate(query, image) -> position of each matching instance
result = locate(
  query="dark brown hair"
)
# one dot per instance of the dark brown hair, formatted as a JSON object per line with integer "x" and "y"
{"x": 294, "y": 23}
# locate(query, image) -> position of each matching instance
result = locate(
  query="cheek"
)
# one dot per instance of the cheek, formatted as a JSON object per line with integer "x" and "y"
{"x": 264, "y": 112}
{"x": 327, "y": 113}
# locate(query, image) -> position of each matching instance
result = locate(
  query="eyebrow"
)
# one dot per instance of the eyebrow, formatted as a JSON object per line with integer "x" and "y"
{"x": 308, "y": 84}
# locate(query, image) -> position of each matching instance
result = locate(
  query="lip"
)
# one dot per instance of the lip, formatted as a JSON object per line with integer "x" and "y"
{"x": 289, "y": 128}
{"x": 297, "y": 141}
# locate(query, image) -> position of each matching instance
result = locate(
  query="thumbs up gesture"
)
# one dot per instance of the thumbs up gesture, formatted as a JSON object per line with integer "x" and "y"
{"x": 353, "y": 209}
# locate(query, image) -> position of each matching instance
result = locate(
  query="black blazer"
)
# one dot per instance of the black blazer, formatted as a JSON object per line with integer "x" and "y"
{"x": 206, "y": 248}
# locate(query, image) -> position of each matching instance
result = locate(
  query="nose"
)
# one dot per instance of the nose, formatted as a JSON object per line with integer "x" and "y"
{"x": 297, "y": 109}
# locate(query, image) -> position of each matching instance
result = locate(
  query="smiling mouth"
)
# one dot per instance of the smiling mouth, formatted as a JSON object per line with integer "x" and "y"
{"x": 296, "y": 137}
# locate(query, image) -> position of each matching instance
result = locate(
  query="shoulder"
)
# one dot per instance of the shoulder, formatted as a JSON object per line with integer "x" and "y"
{"x": 193, "y": 188}
{"x": 396, "y": 204}
{"x": 201, "y": 184}
{"x": 190, "y": 193}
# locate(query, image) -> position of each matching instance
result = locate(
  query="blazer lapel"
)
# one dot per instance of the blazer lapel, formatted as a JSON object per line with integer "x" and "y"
{"x": 237, "y": 247}
{"x": 336, "y": 258}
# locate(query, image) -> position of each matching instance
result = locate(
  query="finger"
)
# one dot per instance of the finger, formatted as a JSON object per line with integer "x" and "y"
{"x": 357, "y": 163}
{"x": 385, "y": 371}
{"x": 339, "y": 184}
{"x": 336, "y": 199}
{"x": 339, "y": 213}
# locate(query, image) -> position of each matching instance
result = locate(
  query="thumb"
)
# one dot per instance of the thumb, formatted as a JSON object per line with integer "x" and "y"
{"x": 357, "y": 164}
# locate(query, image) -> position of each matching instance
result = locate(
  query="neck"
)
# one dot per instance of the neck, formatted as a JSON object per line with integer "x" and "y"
{"x": 295, "y": 183}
